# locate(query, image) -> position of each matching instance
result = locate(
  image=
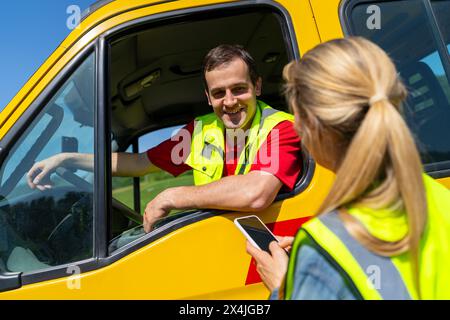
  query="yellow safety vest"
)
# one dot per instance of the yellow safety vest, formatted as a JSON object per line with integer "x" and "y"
{"x": 375, "y": 277}
{"x": 208, "y": 143}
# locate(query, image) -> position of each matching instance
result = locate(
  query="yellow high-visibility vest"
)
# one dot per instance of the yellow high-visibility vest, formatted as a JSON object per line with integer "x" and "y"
{"x": 375, "y": 277}
{"x": 208, "y": 143}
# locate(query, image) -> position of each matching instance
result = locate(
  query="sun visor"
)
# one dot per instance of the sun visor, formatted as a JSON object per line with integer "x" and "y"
{"x": 131, "y": 87}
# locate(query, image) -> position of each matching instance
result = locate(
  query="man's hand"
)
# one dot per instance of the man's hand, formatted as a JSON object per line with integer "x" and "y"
{"x": 272, "y": 267}
{"x": 39, "y": 174}
{"x": 156, "y": 209}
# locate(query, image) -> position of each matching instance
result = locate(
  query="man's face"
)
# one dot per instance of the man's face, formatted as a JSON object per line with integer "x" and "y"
{"x": 232, "y": 94}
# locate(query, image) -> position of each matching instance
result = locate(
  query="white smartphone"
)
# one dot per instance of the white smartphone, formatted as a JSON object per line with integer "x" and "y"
{"x": 256, "y": 232}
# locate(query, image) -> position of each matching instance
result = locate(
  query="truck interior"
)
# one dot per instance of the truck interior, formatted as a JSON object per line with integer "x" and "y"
{"x": 156, "y": 78}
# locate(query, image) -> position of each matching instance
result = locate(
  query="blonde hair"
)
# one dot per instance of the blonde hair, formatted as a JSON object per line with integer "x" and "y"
{"x": 349, "y": 88}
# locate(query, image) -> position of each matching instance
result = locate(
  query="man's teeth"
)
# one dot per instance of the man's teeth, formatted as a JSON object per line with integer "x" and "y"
{"x": 233, "y": 112}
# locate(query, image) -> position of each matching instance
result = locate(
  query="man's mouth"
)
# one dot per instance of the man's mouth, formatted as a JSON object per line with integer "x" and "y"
{"x": 234, "y": 111}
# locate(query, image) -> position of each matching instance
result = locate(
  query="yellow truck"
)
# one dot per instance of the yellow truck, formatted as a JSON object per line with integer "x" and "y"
{"x": 128, "y": 76}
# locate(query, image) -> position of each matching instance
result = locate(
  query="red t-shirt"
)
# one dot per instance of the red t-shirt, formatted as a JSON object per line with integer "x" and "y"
{"x": 286, "y": 167}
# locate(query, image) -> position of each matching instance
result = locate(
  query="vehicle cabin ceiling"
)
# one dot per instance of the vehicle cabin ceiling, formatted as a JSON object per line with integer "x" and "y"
{"x": 177, "y": 51}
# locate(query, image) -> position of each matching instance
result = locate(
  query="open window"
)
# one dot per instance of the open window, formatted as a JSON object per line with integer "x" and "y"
{"x": 157, "y": 87}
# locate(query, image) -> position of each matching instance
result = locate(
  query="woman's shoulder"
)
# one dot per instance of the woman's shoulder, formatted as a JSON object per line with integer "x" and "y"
{"x": 438, "y": 202}
{"x": 316, "y": 278}
{"x": 434, "y": 189}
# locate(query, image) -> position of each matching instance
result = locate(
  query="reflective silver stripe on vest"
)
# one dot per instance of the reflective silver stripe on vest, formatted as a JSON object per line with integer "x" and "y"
{"x": 390, "y": 284}
{"x": 264, "y": 114}
{"x": 208, "y": 149}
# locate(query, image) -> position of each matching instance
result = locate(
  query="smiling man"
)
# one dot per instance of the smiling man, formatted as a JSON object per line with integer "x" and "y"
{"x": 241, "y": 154}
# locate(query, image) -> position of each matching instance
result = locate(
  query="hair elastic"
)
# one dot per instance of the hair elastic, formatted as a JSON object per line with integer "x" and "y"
{"x": 377, "y": 97}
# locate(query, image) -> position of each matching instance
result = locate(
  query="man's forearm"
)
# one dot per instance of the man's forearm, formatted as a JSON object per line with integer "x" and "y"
{"x": 82, "y": 161}
{"x": 252, "y": 192}
{"x": 131, "y": 164}
{"x": 122, "y": 164}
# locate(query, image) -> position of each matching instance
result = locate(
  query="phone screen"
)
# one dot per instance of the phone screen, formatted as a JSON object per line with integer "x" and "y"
{"x": 258, "y": 232}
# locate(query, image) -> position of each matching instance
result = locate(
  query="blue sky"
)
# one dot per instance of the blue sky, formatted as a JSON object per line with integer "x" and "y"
{"x": 30, "y": 31}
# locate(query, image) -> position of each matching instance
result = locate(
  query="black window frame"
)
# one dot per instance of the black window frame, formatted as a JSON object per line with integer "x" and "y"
{"x": 435, "y": 170}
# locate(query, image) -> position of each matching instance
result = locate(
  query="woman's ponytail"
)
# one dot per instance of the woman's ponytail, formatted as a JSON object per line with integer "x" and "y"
{"x": 351, "y": 88}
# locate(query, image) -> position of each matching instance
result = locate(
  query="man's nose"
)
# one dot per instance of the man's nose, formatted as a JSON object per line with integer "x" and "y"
{"x": 229, "y": 100}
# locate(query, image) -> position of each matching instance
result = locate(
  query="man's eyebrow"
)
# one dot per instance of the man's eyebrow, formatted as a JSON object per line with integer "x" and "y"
{"x": 216, "y": 89}
{"x": 239, "y": 84}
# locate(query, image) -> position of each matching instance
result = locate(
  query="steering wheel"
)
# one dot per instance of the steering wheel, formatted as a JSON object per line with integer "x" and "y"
{"x": 73, "y": 228}
{"x": 75, "y": 180}
{"x": 123, "y": 210}
{"x": 73, "y": 234}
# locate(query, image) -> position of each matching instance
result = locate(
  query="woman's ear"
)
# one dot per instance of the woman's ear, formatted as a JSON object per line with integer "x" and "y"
{"x": 329, "y": 148}
{"x": 297, "y": 123}
{"x": 304, "y": 122}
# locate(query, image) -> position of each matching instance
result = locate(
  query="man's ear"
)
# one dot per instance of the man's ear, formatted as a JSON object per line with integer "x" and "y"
{"x": 207, "y": 97}
{"x": 258, "y": 86}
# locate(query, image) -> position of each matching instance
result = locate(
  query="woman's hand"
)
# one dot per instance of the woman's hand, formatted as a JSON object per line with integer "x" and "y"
{"x": 272, "y": 267}
{"x": 285, "y": 242}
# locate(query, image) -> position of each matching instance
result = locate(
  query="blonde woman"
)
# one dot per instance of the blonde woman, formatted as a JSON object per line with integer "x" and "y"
{"x": 383, "y": 231}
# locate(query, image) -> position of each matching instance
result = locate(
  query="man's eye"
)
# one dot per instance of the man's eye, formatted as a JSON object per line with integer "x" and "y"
{"x": 239, "y": 90}
{"x": 218, "y": 94}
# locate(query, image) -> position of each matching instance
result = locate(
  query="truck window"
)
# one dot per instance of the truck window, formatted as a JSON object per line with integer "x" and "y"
{"x": 411, "y": 33}
{"x": 152, "y": 184}
{"x": 157, "y": 85}
{"x": 42, "y": 229}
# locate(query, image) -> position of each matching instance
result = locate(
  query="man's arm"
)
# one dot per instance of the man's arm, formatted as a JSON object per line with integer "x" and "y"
{"x": 251, "y": 192}
{"x": 131, "y": 164}
{"x": 122, "y": 165}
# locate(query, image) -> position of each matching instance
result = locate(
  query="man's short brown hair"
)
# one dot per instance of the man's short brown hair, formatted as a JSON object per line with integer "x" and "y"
{"x": 224, "y": 54}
